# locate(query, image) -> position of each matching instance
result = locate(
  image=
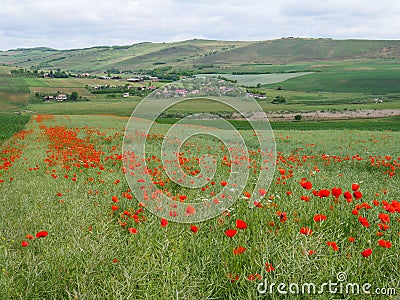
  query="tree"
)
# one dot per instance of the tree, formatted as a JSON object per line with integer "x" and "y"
{"x": 74, "y": 96}
{"x": 298, "y": 117}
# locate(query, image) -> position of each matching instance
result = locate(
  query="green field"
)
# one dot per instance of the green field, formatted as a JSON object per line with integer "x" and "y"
{"x": 72, "y": 227}
{"x": 254, "y": 79}
{"x": 90, "y": 253}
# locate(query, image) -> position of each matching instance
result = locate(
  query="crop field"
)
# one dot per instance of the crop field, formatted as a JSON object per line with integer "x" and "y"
{"x": 332, "y": 207}
{"x": 254, "y": 79}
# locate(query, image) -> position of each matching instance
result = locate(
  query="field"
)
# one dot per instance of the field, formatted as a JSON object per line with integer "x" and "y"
{"x": 80, "y": 233}
{"x": 82, "y": 213}
{"x": 254, "y": 79}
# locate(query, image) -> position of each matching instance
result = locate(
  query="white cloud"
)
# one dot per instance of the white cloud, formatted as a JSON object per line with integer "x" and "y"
{"x": 84, "y": 23}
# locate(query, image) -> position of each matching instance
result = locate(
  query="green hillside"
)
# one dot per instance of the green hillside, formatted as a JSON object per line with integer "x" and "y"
{"x": 206, "y": 55}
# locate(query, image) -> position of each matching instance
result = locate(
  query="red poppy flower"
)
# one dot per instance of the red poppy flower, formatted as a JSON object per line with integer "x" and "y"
{"x": 333, "y": 245}
{"x": 239, "y": 250}
{"x": 132, "y": 230}
{"x": 224, "y": 183}
{"x": 269, "y": 267}
{"x": 29, "y": 237}
{"x": 194, "y": 228}
{"x": 319, "y": 218}
{"x": 114, "y": 207}
{"x": 182, "y": 198}
{"x": 230, "y": 232}
{"x": 336, "y": 192}
{"x": 190, "y": 210}
{"x": 114, "y": 199}
{"x": 347, "y": 195}
{"x": 305, "y": 231}
{"x": 283, "y": 217}
{"x": 41, "y": 234}
{"x": 306, "y": 184}
{"x": 366, "y": 252}
{"x": 324, "y": 193}
{"x": 384, "y": 218}
{"x": 364, "y": 222}
{"x": 351, "y": 239}
{"x": 24, "y": 243}
{"x": 355, "y": 187}
{"x": 241, "y": 224}
{"x": 385, "y": 244}
{"x": 357, "y": 195}
{"x": 247, "y": 195}
{"x": 383, "y": 227}
{"x": 164, "y": 222}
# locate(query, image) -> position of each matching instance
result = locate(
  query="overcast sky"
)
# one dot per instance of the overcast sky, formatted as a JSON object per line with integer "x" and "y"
{"x": 70, "y": 24}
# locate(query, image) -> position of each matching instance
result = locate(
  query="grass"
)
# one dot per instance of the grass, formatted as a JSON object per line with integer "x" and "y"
{"x": 379, "y": 124}
{"x": 254, "y": 79}
{"x": 88, "y": 254}
{"x": 11, "y": 124}
{"x": 362, "y": 76}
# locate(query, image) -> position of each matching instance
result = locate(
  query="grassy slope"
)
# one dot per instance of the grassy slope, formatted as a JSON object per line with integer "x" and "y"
{"x": 191, "y": 53}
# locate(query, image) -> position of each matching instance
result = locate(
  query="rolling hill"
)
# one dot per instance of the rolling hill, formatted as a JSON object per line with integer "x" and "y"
{"x": 197, "y": 54}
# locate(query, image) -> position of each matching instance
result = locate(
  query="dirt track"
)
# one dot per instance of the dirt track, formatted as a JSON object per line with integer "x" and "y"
{"x": 331, "y": 115}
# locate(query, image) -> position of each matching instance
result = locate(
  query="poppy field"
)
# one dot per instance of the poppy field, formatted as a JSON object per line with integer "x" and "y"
{"x": 72, "y": 228}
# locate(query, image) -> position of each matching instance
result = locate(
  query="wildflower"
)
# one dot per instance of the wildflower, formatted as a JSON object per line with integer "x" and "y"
{"x": 164, "y": 222}
{"x": 357, "y": 195}
{"x": 336, "y": 192}
{"x": 190, "y": 210}
{"x": 241, "y": 224}
{"x": 305, "y": 231}
{"x": 194, "y": 228}
{"x": 384, "y": 218}
{"x": 319, "y": 218}
{"x": 239, "y": 250}
{"x": 269, "y": 267}
{"x": 347, "y": 195}
{"x": 333, "y": 245}
{"x": 324, "y": 193}
{"x": 132, "y": 230}
{"x": 24, "y": 243}
{"x": 283, "y": 217}
{"x": 230, "y": 232}
{"x": 41, "y": 234}
{"x": 364, "y": 222}
{"x": 366, "y": 252}
{"x": 384, "y": 244}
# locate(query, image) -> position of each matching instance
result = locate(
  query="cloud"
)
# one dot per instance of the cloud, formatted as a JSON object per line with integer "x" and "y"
{"x": 77, "y": 23}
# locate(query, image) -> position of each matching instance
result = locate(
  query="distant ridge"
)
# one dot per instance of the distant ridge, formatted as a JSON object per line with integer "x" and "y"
{"x": 199, "y": 53}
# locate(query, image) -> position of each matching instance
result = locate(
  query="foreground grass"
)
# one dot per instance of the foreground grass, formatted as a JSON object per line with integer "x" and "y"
{"x": 89, "y": 254}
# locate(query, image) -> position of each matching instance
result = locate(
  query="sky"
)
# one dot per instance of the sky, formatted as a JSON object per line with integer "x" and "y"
{"x": 69, "y": 24}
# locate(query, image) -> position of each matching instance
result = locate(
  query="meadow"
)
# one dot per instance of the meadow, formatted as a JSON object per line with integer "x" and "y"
{"x": 72, "y": 228}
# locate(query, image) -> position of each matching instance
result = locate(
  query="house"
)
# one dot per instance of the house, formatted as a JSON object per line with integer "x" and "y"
{"x": 151, "y": 87}
{"x": 135, "y": 79}
{"x": 48, "y": 98}
{"x": 61, "y": 97}
{"x": 125, "y": 95}
{"x": 180, "y": 92}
